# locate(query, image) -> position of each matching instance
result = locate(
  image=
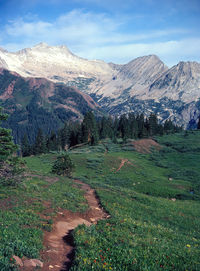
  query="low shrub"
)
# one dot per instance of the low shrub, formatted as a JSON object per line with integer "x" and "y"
{"x": 63, "y": 165}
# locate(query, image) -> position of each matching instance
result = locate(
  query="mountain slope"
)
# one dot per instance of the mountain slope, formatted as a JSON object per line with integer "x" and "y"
{"x": 144, "y": 84}
{"x": 180, "y": 82}
{"x": 175, "y": 94}
{"x": 36, "y": 102}
{"x": 56, "y": 63}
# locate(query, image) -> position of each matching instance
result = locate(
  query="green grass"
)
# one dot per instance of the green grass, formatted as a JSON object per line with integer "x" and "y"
{"x": 147, "y": 230}
{"x": 21, "y": 222}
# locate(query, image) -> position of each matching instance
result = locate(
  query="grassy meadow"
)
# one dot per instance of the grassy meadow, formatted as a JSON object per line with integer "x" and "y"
{"x": 27, "y": 210}
{"x": 153, "y": 202}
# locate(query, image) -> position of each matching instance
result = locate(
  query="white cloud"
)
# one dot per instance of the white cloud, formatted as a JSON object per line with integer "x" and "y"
{"x": 171, "y": 52}
{"x": 20, "y": 28}
{"x": 98, "y": 36}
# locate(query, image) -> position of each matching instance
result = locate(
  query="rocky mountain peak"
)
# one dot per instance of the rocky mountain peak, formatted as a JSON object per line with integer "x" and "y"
{"x": 42, "y": 46}
{"x": 3, "y": 50}
{"x": 144, "y": 70}
{"x": 182, "y": 81}
{"x": 187, "y": 68}
{"x": 141, "y": 85}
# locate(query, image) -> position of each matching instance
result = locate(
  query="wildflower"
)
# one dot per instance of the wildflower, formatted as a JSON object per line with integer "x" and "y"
{"x": 188, "y": 245}
{"x": 95, "y": 261}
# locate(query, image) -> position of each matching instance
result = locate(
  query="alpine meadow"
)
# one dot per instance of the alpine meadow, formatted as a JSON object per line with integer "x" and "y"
{"x": 99, "y": 135}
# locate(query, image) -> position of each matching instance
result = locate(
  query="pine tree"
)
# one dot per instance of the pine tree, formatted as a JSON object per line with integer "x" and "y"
{"x": 64, "y": 134}
{"x": 115, "y": 128}
{"x": 106, "y": 128}
{"x": 63, "y": 165}
{"x": 123, "y": 127}
{"x": 103, "y": 128}
{"x": 153, "y": 124}
{"x": 52, "y": 142}
{"x": 142, "y": 131}
{"x": 9, "y": 164}
{"x": 133, "y": 126}
{"x": 40, "y": 145}
{"x": 25, "y": 147}
{"x": 89, "y": 129}
{"x": 168, "y": 127}
{"x": 72, "y": 139}
{"x": 7, "y": 147}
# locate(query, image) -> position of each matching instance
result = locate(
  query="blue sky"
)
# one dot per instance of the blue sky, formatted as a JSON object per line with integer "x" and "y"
{"x": 112, "y": 30}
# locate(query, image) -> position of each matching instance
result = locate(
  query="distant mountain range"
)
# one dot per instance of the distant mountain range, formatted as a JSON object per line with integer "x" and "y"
{"x": 145, "y": 84}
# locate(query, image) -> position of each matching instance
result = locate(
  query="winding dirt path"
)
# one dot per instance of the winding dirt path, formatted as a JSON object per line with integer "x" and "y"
{"x": 59, "y": 244}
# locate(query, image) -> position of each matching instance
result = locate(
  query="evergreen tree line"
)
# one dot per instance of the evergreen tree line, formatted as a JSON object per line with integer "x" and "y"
{"x": 10, "y": 168}
{"x": 91, "y": 131}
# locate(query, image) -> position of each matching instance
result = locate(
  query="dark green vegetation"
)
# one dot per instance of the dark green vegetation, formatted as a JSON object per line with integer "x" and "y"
{"x": 7, "y": 147}
{"x": 63, "y": 165}
{"x": 153, "y": 200}
{"x": 91, "y": 130}
{"x": 9, "y": 165}
{"x": 34, "y": 103}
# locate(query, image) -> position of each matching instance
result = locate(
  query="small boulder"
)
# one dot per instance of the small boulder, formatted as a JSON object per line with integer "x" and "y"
{"x": 18, "y": 261}
{"x": 33, "y": 263}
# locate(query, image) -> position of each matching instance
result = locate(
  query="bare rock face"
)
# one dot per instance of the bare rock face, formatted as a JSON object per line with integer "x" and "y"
{"x": 58, "y": 64}
{"x": 136, "y": 76}
{"x": 145, "y": 84}
{"x": 181, "y": 82}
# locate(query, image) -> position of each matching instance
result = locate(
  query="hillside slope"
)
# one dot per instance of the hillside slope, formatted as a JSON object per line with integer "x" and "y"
{"x": 36, "y": 102}
{"x": 153, "y": 202}
{"x": 145, "y": 84}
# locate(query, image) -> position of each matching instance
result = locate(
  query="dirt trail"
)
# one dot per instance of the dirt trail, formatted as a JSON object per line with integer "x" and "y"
{"x": 59, "y": 244}
{"x": 123, "y": 161}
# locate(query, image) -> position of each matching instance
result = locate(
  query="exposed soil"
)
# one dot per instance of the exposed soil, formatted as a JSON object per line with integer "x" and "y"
{"x": 123, "y": 161}
{"x": 145, "y": 145}
{"x": 59, "y": 245}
